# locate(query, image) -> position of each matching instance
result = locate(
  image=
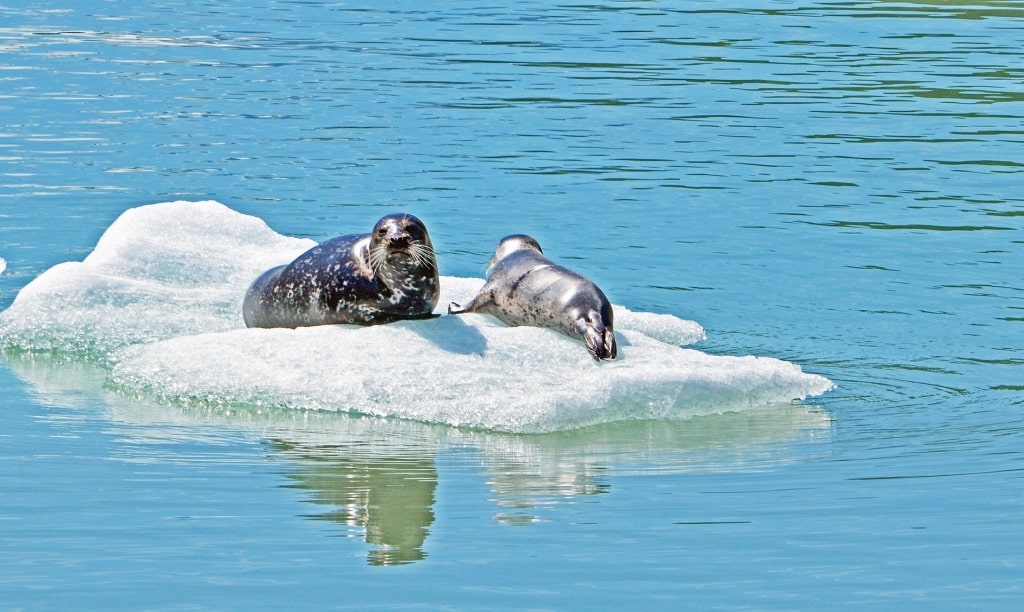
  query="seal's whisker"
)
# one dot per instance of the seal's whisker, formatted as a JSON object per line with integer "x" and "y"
{"x": 422, "y": 254}
{"x": 378, "y": 256}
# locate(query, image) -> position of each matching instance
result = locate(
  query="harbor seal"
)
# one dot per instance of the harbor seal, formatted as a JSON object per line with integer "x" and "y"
{"x": 364, "y": 279}
{"x": 525, "y": 288}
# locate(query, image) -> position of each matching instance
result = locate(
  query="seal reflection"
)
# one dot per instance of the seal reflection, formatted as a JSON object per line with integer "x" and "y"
{"x": 391, "y": 499}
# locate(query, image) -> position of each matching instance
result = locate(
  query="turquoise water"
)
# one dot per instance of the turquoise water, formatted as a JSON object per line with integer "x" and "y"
{"x": 831, "y": 187}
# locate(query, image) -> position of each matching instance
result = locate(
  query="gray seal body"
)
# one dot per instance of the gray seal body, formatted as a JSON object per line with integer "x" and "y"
{"x": 363, "y": 279}
{"x": 525, "y": 288}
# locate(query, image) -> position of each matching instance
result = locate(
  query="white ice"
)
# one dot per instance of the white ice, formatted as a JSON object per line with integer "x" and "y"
{"x": 158, "y": 303}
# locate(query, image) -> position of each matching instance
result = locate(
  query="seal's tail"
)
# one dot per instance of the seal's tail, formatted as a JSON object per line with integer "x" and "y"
{"x": 600, "y": 339}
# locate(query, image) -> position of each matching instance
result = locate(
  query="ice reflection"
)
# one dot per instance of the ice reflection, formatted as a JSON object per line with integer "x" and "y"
{"x": 378, "y": 478}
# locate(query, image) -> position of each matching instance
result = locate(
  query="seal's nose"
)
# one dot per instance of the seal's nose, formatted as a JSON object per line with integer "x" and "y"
{"x": 399, "y": 238}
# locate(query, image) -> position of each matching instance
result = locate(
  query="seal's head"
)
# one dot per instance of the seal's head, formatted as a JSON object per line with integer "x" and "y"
{"x": 401, "y": 239}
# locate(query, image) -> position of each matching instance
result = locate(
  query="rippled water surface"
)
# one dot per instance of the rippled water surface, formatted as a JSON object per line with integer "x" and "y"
{"x": 833, "y": 185}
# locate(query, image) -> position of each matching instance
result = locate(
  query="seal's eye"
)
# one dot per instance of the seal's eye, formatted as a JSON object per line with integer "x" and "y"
{"x": 382, "y": 231}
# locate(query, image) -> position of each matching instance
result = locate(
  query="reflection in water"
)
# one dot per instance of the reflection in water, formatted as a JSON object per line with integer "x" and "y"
{"x": 379, "y": 477}
{"x": 523, "y": 487}
{"x": 390, "y": 498}
{"x": 528, "y": 473}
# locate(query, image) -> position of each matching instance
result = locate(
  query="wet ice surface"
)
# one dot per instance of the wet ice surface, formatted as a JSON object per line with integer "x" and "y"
{"x": 157, "y": 303}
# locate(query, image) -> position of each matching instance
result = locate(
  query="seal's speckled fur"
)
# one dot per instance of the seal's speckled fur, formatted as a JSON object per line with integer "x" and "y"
{"x": 386, "y": 275}
{"x": 525, "y": 288}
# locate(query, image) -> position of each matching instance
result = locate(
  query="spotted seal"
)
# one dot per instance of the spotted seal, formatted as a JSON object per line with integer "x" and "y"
{"x": 525, "y": 288}
{"x": 364, "y": 279}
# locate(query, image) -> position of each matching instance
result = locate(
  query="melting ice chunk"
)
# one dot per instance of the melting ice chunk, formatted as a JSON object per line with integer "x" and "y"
{"x": 158, "y": 303}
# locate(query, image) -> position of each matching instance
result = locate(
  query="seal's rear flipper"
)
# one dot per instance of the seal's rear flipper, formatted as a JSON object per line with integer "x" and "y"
{"x": 454, "y": 309}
